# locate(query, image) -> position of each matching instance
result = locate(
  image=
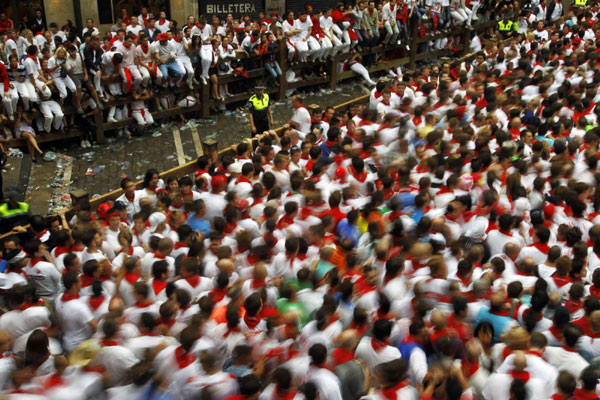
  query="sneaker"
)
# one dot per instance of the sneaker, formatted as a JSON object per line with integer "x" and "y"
{"x": 88, "y": 144}
{"x": 203, "y": 79}
{"x": 83, "y": 144}
{"x": 195, "y": 81}
{"x": 111, "y": 120}
{"x": 11, "y": 117}
{"x": 190, "y": 86}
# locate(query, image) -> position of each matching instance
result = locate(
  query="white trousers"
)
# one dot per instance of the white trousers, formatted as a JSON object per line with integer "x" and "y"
{"x": 142, "y": 118}
{"x": 206, "y": 59}
{"x": 10, "y": 103}
{"x": 136, "y": 77}
{"x": 62, "y": 84}
{"x": 186, "y": 66}
{"x": 53, "y": 115}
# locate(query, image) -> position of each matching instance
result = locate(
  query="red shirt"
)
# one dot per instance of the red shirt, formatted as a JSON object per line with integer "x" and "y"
{"x": 6, "y": 24}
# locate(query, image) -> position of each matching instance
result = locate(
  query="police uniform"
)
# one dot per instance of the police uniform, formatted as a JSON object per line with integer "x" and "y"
{"x": 259, "y": 107}
{"x": 506, "y": 27}
{"x": 579, "y": 3}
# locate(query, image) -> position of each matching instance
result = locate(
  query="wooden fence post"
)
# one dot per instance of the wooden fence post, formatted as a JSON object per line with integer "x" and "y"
{"x": 333, "y": 72}
{"x": 99, "y": 121}
{"x": 465, "y": 38}
{"x": 210, "y": 148}
{"x": 414, "y": 44}
{"x": 205, "y": 111}
{"x": 282, "y": 60}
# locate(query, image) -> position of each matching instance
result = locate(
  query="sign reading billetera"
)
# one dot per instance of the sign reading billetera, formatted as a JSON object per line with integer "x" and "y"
{"x": 237, "y": 8}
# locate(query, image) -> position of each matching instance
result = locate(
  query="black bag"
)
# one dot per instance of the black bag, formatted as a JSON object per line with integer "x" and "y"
{"x": 63, "y": 72}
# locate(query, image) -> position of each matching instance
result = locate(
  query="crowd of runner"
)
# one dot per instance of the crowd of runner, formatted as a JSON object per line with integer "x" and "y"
{"x": 441, "y": 241}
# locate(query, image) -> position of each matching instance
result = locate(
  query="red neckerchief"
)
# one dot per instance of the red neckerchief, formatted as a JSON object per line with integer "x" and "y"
{"x": 179, "y": 245}
{"x": 86, "y": 280}
{"x": 39, "y": 236}
{"x": 379, "y": 345}
{"x": 34, "y": 58}
{"x": 543, "y": 247}
{"x": 557, "y": 333}
{"x": 217, "y": 295}
{"x": 361, "y": 329}
{"x": 183, "y": 358}
{"x": 582, "y": 394}
{"x": 341, "y": 356}
{"x": 284, "y": 222}
{"x": 361, "y": 177}
{"x": 59, "y": 250}
{"x": 158, "y": 286}
{"x": 242, "y": 179}
{"x": 231, "y": 330}
{"x": 391, "y": 393}
{"x": 53, "y": 381}
{"x": 108, "y": 342}
{"x": 158, "y": 255}
{"x": 193, "y": 280}
{"x": 561, "y": 281}
{"x": 595, "y": 292}
{"x": 444, "y": 189}
{"x": 573, "y": 305}
{"x": 177, "y": 40}
{"x": 469, "y": 367}
{"x": 96, "y": 302}
{"x": 523, "y": 376}
{"x": 257, "y": 284}
{"x": 570, "y": 350}
{"x": 251, "y": 322}
{"x": 161, "y": 21}
{"x": 129, "y": 251}
{"x": 417, "y": 120}
{"x": 144, "y": 304}
{"x": 131, "y": 277}
{"x": 35, "y": 260}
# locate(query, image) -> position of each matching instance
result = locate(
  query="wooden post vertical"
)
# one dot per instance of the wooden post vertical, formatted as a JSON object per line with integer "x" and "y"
{"x": 465, "y": 38}
{"x": 99, "y": 121}
{"x": 414, "y": 44}
{"x": 282, "y": 60}
{"x": 333, "y": 72}
{"x": 205, "y": 111}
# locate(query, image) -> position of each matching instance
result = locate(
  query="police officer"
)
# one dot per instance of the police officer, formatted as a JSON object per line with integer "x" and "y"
{"x": 260, "y": 111}
{"x": 507, "y": 27}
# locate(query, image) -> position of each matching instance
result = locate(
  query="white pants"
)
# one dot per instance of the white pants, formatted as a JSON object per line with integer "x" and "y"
{"x": 62, "y": 84}
{"x": 52, "y": 113}
{"x": 118, "y": 113}
{"x": 10, "y": 103}
{"x": 297, "y": 50}
{"x": 142, "y": 118}
{"x": 136, "y": 76}
{"x": 338, "y": 46}
{"x": 146, "y": 76}
{"x": 474, "y": 7}
{"x": 186, "y": 66}
{"x": 360, "y": 69}
{"x": 461, "y": 15}
{"x": 206, "y": 59}
{"x": 326, "y": 47}
{"x": 315, "y": 50}
{"x": 344, "y": 37}
{"x": 33, "y": 96}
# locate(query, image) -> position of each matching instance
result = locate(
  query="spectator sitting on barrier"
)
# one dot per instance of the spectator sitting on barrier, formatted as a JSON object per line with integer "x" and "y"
{"x": 23, "y": 129}
{"x": 139, "y": 110}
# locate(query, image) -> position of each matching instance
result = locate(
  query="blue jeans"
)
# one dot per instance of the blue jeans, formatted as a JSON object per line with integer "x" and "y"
{"x": 273, "y": 69}
{"x": 173, "y": 68}
{"x": 375, "y": 30}
{"x": 403, "y": 28}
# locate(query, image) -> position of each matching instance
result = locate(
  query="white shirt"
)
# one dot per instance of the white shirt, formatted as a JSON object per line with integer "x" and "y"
{"x": 565, "y": 360}
{"x": 75, "y": 316}
{"x": 365, "y": 351}
{"x": 302, "y": 117}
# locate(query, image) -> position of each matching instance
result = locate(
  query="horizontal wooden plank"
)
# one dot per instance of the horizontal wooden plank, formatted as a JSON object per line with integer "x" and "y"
{"x": 47, "y": 137}
{"x": 155, "y": 114}
{"x": 307, "y": 82}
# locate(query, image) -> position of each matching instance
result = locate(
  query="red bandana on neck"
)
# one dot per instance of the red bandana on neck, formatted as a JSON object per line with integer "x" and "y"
{"x": 183, "y": 358}
{"x": 543, "y": 247}
{"x": 158, "y": 286}
{"x": 391, "y": 393}
{"x": 96, "y": 302}
{"x": 251, "y": 322}
{"x": 131, "y": 277}
{"x": 161, "y": 21}
{"x": 561, "y": 281}
{"x": 68, "y": 297}
{"x": 193, "y": 280}
{"x": 523, "y": 376}
{"x": 379, "y": 345}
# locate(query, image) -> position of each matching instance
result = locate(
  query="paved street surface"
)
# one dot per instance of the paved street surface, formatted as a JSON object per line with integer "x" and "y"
{"x": 99, "y": 169}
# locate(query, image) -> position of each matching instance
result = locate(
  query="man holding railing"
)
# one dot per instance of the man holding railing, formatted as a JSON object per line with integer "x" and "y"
{"x": 164, "y": 56}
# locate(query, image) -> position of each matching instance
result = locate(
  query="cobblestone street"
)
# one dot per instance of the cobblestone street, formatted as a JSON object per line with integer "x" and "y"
{"x": 99, "y": 169}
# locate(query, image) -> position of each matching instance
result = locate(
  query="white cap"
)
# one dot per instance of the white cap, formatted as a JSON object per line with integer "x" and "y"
{"x": 156, "y": 219}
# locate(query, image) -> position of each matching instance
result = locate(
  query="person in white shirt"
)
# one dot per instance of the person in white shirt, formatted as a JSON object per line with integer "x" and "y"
{"x": 129, "y": 71}
{"x": 182, "y": 51}
{"x": 388, "y": 14}
{"x": 566, "y": 358}
{"x": 76, "y": 317}
{"x": 327, "y": 26}
{"x": 145, "y": 61}
{"x": 135, "y": 28}
{"x": 162, "y": 25}
{"x": 165, "y": 56}
{"x": 376, "y": 350}
{"x": 301, "y": 119}
{"x": 305, "y": 25}
{"x": 44, "y": 275}
{"x": 296, "y": 43}
{"x": 32, "y": 68}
